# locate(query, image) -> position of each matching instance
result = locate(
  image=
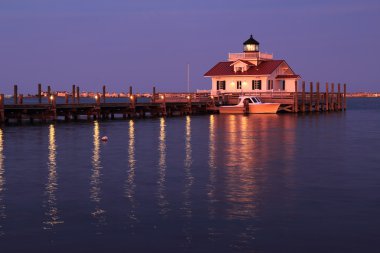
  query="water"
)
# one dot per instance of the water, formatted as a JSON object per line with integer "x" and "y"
{"x": 215, "y": 183}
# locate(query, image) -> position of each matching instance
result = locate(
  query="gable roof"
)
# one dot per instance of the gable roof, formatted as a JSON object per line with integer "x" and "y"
{"x": 225, "y": 69}
{"x": 243, "y": 61}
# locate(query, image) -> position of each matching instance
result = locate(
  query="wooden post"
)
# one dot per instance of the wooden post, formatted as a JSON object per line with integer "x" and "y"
{"x": 130, "y": 91}
{"x": 53, "y": 107}
{"x": 344, "y": 97}
{"x": 311, "y": 97}
{"x": 39, "y": 94}
{"x": 303, "y": 97}
{"x": 73, "y": 94}
{"x": 2, "y": 116}
{"x": 189, "y": 104}
{"x": 20, "y": 99}
{"x": 338, "y": 100}
{"x": 104, "y": 94}
{"x": 15, "y": 94}
{"x": 154, "y": 94}
{"x": 163, "y": 105}
{"x": 66, "y": 98}
{"x": 318, "y": 99}
{"x": 97, "y": 108}
{"x": 295, "y": 102}
{"x": 97, "y": 99}
{"x": 48, "y": 91}
{"x": 332, "y": 102}
{"x": 327, "y": 106}
{"x": 78, "y": 95}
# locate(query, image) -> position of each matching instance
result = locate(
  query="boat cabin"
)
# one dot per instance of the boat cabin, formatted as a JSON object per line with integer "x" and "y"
{"x": 249, "y": 100}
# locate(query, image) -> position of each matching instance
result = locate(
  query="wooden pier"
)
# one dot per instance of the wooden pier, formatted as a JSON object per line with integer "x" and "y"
{"x": 161, "y": 104}
{"x": 302, "y": 100}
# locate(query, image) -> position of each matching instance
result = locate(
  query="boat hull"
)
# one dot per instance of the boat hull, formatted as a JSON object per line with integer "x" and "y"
{"x": 264, "y": 108}
{"x": 253, "y": 108}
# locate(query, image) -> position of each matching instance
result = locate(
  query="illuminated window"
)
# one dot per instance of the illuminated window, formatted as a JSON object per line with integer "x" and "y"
{"x": 238, "y": 85}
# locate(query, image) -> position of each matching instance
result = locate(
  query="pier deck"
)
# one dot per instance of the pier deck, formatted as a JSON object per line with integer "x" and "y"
{"x": 162, "y": 104}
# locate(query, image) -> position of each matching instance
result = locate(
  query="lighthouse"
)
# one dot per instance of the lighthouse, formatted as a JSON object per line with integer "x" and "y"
{"x": 251, "y": 71}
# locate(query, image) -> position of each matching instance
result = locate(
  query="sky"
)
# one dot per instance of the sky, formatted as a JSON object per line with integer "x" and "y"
{"x": 146, "y": 43}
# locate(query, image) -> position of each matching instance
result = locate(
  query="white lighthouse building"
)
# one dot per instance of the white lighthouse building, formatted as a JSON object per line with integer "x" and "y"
{"x": 251, "y": 71}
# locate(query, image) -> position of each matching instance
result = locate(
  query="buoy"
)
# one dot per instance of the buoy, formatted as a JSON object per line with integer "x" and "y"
{"x": 104, "y": 138}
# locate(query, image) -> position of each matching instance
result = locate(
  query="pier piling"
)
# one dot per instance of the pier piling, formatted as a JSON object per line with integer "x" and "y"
{"x": 327, "y": 97}
{"x": 104, "y": 94}
{"x": 78, "y": 95}
{"x": 317, "y": 102}
{"x": 2, "y": 116}
{"x": 344, "y": 97}
{"x": 15, "y": 94}
{"x": 303, "y": 108}
{"x": 48, "y": 91}
{"x": 39, "y": 94}
{"x": 339, "y": 105}
{"x": 295, "y": 98}
{"x": 73, "y": 94}
{"x": 332, "y": 101}
{"x": 311, "y": 97}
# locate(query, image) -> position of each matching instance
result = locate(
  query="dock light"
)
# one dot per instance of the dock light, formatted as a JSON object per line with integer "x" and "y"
{"x": 188, "y": 97}
{"x": 162, "y": 97}
{"x": 212, "y": 97}
{"x": 131, "y": 97}
{"x": 51, "y": 97}
{"x": 96, "y": 97}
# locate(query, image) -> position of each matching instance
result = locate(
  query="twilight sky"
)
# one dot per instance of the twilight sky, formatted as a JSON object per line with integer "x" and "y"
{"x": 149, "y": 42}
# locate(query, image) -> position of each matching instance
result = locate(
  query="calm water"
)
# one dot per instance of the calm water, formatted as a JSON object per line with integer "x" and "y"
{"x": 219, "y": 183}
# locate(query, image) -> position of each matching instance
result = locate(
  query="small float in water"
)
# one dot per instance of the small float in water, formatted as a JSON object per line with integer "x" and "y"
{"x": 104, "y": 138}
{"x": 250, "y": 104}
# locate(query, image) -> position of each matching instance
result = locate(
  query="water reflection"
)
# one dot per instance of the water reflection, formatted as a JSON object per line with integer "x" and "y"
{"x": 188, "y": 182}
{"x": 2, "y": 184}
{"x": 95, "y": 180}
{"x": 130, "y": 186}
{"x": 211, "y": 187}
{"x": 52, "y": 213}
{"x": 162, "y": 200}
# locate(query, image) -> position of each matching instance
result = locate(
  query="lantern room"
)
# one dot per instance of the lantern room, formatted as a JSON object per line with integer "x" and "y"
{"x": 251, "y": 45}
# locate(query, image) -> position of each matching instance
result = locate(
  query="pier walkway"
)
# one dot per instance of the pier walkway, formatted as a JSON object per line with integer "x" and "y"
{"x": 75, "y": 106}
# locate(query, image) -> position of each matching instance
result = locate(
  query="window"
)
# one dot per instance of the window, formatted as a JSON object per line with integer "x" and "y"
{"x": 238, "y": 85}
{"x": 220, "y": 85}
{"x": 256, "y": 84}
{"x": 283, "y": 84}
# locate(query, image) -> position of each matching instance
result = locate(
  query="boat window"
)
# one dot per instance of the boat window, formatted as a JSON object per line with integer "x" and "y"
{"x": 254, "y": 99}
{"x": 258, "y": 100}
{"x": 248, "y": 100}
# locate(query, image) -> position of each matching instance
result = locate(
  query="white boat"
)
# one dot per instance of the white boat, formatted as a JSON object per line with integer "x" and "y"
{"x": 250, "y": 104}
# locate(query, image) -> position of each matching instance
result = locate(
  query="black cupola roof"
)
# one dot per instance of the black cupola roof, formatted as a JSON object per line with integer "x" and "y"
{"x": 251, "y": 41}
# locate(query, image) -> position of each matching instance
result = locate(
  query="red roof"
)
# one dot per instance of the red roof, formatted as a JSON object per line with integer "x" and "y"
{"x": 287, "y": 76}
{"x": 225, "y": 69}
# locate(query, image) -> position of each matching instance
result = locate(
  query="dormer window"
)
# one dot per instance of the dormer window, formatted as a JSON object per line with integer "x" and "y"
{"x": 239, "y": 69}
